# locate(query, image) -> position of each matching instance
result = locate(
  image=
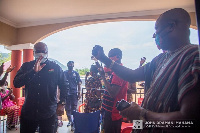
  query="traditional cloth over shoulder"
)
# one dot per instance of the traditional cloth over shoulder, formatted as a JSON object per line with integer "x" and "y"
{"x": 169, "y": 76}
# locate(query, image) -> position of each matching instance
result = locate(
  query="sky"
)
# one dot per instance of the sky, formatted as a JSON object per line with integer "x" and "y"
{"x": 134, "y": 38}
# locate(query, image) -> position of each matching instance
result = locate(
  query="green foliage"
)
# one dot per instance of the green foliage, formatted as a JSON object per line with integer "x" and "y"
{"x": 4, "y": 57}
{"x": 82, "y": 71}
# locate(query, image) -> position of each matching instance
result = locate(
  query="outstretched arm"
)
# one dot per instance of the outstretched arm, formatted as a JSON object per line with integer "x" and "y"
{"x": 121, "y": 71}
{"x": 3, "y": 80}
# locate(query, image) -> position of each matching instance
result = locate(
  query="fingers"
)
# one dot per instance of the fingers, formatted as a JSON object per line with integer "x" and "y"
{"x": 2, "y": 64}
{"x": 11, "y": 68}
{"x": 38, "y": 61}
{"x": 43, "y": 65}
{"x": 95, "y": 50}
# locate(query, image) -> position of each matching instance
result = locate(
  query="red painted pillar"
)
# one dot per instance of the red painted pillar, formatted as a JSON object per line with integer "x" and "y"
{"x": 27, "y": 55}
{"x": 16, "y": 60}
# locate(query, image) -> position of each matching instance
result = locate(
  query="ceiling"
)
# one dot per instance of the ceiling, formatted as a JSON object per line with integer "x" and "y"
{"x": 24, "y": 13}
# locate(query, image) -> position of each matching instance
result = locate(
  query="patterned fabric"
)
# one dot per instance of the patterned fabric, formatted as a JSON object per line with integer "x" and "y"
{"x": 169, "y": 76}
{"x": 11, "y": 110}
{"x": 12, "y": 113}
{"x": 7, "y": 102}
{"x": 94, "y": 82}
{"x": 93, "y": 96}
{"x": 108, "y": 102}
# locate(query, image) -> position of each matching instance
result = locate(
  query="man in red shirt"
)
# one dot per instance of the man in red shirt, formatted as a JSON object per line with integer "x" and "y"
{"x": 115, "y": 90}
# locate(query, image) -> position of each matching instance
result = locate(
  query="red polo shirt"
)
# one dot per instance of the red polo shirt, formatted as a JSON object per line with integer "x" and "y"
{"x": 121, "y": 95}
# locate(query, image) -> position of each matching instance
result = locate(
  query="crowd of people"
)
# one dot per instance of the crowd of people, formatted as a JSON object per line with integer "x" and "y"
{"x": 171, "y": 84}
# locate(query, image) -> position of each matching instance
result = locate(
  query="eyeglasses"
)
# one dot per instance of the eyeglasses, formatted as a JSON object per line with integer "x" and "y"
{"x": 40, "y": 51}
{"x": 154, "y": 34}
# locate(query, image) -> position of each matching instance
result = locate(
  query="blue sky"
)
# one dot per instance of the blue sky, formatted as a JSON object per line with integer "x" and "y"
{"x": 134, "y": 38}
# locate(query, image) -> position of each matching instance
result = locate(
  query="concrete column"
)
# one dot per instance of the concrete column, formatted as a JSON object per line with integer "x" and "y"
{"x": 16, "y": 59}
{"x": 27, "y": 55}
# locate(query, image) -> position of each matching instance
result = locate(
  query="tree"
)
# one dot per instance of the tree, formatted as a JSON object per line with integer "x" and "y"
{"x": 82, "y": 71}
{"x": 4, "y": 57}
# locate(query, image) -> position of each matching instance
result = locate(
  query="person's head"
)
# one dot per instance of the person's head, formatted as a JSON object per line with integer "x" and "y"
{"x": 70, "y": 65}
{"x": 172, "y": 29}
{"x": 40, "y": 49}
{"x": 93, "y": 70}
{"x": 142, "y": 61}
{"x": 4, "y": 87}
{"x": 6, "y": 83}
{"x": 115, "y": 54}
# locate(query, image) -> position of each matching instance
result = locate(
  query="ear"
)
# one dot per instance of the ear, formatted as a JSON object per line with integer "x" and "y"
{"x": 172, "y": 26}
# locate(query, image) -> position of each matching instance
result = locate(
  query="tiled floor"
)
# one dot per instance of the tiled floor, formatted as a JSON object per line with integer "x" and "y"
{"x": 63, "y": 129}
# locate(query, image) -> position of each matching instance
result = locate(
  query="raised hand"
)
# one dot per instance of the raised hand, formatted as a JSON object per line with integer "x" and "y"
{"x": 9, "y": 69}
{"x": 98, "y": 52}
{"x": 1, "y": 68}
{"x": 10, "y": 91}
{"x": 37, "y": 67}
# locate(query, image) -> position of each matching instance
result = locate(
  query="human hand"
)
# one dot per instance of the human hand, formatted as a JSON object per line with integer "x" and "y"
{"x": 132, "y": 112}
{"x": 10, "y": 91}
{"x": 9, "y": 69}
{"x": 98, "y": 52}
{"x": 142, "y": 61}
{"x": 60, "y": 109}
{"x": 37, "y": 67}
{"x": 1, "y": 69}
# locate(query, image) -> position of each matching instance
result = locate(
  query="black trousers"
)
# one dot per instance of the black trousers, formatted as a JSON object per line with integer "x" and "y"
{"x": 110, "y": 126}
{"x": 45, "y": 126}
{"x": 71, "y": 104}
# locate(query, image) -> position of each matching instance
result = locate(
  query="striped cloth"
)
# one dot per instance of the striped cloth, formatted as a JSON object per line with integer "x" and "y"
{"x": 108, "y": 102}
{"x": 169, "y": 76}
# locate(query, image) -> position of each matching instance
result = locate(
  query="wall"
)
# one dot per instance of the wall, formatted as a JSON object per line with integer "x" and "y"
{"x": 8, "y": 34}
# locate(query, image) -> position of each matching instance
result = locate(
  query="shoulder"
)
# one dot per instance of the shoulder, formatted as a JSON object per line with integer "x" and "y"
{"x": 27, "y": 65}
{"x": 191, "y": 49}
{"x": 76, "y": 72}
{"x": 65, "y": 71}
{"x": 54, "y": 64}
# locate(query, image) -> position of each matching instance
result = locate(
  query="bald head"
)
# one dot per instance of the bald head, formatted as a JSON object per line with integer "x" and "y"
{"x": 177, "y": 15}
{"x": 172, "y": 29}
{"x": 40, "y": 46}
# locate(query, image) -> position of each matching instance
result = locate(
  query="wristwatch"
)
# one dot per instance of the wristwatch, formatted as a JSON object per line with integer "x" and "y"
{"x": 143, "y": 115}
{"x": 63, "y": 103}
